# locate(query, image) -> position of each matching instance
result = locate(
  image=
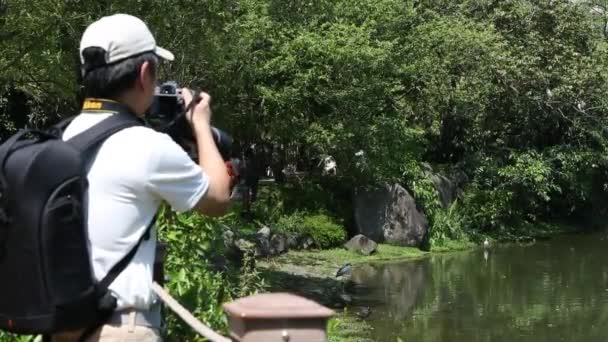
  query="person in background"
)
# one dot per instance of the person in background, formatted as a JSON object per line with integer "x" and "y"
{"x": 251, "y": 177}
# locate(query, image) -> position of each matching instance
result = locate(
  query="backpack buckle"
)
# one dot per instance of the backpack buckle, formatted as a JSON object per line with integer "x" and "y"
{"x": 55, "y": 132}
{"x": 107, "y": 302}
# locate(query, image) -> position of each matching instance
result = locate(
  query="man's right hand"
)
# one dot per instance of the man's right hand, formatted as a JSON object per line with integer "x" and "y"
{"x": 200, "y": 116}
{"x": 217, "y": 199}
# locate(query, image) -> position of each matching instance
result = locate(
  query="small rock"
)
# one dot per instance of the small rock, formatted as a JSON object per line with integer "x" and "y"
{"x": 265, "y": 232}
{"x": 278, "y": 244}
{"x": 306, "y": 242}
{"x": 361, "y": 244}
{"x": 292, "y": 241}
{"x": 235, "y": 253}
{"x": 228, "y": 236}
{"x": 262, "y": 246}
{"x": 244, "y": 245}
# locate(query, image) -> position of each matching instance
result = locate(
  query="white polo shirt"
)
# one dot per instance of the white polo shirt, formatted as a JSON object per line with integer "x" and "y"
{"x": 133, "y": 172}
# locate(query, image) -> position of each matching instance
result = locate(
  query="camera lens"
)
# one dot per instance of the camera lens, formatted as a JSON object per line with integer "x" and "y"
{"x": 167, "y": 89}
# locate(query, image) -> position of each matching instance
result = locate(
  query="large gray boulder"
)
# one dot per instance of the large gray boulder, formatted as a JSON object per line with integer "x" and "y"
{"x": 446, "y": 189}
{"x": 389, "y": 214}
{"x": 448, "y": 186}
{"x": 361, "y": 244}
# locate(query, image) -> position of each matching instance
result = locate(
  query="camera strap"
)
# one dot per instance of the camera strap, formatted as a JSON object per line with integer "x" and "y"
{"x": 194, "y": 102}
{"x": 123, "y": 118}
{"x": 94, "y": 105}
{"x": 190, "y": 107}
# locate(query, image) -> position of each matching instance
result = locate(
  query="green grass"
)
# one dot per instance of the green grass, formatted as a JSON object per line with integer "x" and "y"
{"x": 452, "y": 246}
{"x": 345, "y": 327}
{"x": 324, "y": 263}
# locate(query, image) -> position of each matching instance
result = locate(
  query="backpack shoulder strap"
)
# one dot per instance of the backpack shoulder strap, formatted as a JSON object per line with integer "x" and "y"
{"x": 86, "y": 141}
{"x": 90, "y": 138}
{"x": 59, "y": 127}
{"x": 107, "y": 303}
{"x": 105, "y": 283}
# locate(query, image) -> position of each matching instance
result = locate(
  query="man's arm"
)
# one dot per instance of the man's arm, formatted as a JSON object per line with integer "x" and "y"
{"x": 216, "y": 201}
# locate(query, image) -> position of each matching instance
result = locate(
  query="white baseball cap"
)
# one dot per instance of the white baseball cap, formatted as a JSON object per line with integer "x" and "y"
{"x": 121, "y": 36}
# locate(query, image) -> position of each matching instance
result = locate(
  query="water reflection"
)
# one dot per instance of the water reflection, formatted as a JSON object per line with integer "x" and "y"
{"x": 395, "y": 287}
{"x": 551, "y": 291}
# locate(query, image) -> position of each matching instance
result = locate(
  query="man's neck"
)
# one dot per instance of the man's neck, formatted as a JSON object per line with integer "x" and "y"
{"x": 129, "y": 101}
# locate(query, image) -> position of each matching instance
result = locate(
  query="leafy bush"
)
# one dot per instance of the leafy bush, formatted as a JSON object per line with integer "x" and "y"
{"x": 192, "y": 240}
{"x": 5, "y": 337}
{"x": 324, "y": 230}
{"x": 291, "y": 223}
{"x": 448, "y": 224}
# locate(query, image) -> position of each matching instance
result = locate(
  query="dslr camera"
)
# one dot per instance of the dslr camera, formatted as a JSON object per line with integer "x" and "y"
{"x": 168, "y": 115}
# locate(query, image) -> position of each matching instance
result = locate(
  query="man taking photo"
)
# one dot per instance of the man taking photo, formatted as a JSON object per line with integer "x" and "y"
{"x": 136, "y": 169}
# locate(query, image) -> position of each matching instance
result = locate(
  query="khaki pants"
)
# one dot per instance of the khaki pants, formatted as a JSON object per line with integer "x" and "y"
{"x": 114, "y": 333}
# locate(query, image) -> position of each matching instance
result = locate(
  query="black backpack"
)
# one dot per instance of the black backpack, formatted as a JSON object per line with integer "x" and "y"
{"x": 47, "y": 282}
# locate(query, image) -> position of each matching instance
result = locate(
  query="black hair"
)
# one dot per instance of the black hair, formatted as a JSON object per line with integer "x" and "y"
{"x": 109, "y": 81}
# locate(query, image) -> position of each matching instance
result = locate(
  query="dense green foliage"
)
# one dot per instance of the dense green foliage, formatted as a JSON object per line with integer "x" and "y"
{"x": 324, "y": 231}
{"x": 510, "y": 92}
{"x": 196, "y": 283}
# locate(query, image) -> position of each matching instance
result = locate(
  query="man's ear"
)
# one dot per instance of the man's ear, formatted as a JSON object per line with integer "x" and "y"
{"x": 146, "y": 75}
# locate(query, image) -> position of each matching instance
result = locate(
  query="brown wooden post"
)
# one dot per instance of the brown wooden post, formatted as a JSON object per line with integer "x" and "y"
{"x": 280, "y": 317}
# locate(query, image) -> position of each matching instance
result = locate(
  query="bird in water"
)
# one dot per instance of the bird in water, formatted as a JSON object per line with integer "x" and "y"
{"x": 346, "y": 298}
{"x": 344, "y": 270}
{"x": 364, "y": 312}
{"x": 486, "y": 247}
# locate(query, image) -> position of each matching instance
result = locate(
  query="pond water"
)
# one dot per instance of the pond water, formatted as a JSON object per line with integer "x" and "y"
{"x": 555, "y": 290}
